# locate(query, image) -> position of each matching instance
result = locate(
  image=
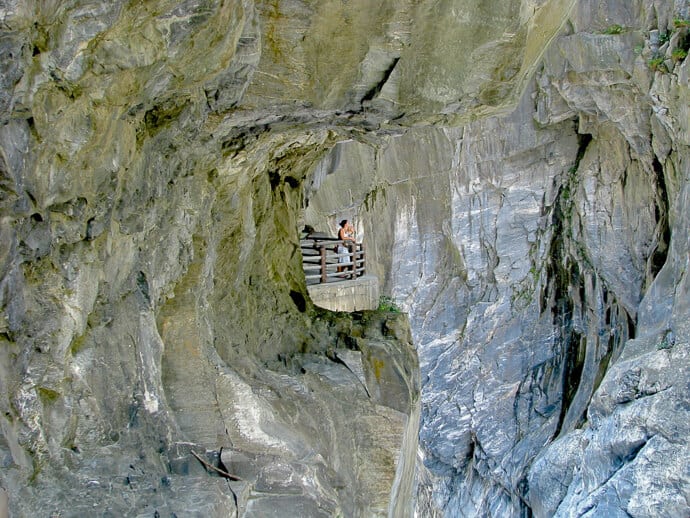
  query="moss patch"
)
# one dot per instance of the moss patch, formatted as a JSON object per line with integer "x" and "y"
{"x": 47, "y": 396}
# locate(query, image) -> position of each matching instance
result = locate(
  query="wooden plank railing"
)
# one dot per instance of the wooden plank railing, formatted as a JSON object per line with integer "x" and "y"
{"x": 321, "y": 259}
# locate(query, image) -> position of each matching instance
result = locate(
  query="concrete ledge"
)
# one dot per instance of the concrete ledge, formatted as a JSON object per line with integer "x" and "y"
{"x": 356, "y": 295}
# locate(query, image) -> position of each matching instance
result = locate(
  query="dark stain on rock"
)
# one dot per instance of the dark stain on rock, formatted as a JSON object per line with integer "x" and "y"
{"x": 299, "y": 300}
{"x": 143, "y": 285}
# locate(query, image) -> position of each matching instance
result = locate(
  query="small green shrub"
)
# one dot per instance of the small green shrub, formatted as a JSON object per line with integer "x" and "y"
{"x": 388, "y": 304}
{"x": 679, "y": 54}
{"x": 679, "y": 23}
{"x": 657, "y": 64}
{"x": 613, "y": 29}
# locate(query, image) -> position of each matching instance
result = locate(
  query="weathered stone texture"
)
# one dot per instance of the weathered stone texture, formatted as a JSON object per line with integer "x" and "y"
{"x": 150, "y": 275}
{"x": 156, "y": 160}
{"x": 529, "y": 250}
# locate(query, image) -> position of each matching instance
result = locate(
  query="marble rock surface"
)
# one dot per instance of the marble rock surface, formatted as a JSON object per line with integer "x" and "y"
{"x": 519, "y": 171}
{"x": 542, "y": 258}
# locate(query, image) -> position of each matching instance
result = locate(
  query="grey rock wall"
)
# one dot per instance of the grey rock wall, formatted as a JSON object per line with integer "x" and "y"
{"x": 541, "y": 257}
{"x": 156, "y": 160}
{"x": 153, "y": 303}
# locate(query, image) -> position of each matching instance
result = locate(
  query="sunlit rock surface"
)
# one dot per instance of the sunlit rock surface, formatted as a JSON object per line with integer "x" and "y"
{"x": 156, "y": 161}
{"x": 542, "y": 258}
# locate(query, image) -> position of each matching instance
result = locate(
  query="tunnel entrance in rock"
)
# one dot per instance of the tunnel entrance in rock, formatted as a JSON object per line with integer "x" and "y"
{"x": 333, "y": 246}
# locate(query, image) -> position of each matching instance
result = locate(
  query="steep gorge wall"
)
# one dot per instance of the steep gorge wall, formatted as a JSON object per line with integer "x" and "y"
{"x": 542, "y": 259}
{"x": 152, "y": 160}
{"x": 152, "y": 156}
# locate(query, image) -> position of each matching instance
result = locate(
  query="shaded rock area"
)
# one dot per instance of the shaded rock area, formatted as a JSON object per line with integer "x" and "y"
{"x": 153, "y": 300}
{"x": 519, "y": 171}
{"x": 309, "y": 433}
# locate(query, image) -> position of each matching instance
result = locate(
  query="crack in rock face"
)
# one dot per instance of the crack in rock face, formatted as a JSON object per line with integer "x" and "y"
{"x": 519, "y": 174}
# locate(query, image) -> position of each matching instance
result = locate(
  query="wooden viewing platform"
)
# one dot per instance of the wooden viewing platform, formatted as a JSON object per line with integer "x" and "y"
{"x": 320, "y": 260}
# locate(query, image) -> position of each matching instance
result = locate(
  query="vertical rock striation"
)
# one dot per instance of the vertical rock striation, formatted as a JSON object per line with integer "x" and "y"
{"x": 520, "y": 170}
{"x": 542, "y": 259}
{"x": 153, "y": 305}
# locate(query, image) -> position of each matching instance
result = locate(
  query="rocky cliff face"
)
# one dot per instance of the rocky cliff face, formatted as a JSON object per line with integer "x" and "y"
{"x": 156, "y": 160}
{"x": 542, "y": 258}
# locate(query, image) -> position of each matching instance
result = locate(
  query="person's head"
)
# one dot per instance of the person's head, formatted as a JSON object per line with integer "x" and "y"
{"x": 344, "y": 223}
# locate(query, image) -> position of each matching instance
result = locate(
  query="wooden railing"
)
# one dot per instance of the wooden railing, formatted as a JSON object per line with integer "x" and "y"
{"x": 323, "y": 262}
